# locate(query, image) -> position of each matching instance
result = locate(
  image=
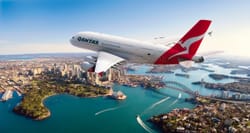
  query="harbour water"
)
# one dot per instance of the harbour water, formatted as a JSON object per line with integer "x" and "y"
{"x": 101, "y": 114}
{"x": 73, "y": 114}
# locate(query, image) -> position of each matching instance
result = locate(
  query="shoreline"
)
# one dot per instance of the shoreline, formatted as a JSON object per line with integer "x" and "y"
{"x": 48, "y": 113}
{"x": 240, "y": 86}
{"x": 209, "y": 113}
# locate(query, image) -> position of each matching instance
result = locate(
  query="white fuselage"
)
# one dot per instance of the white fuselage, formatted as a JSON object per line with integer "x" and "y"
{"x": 114, "y": 50}
{"x": 133, "y": 51}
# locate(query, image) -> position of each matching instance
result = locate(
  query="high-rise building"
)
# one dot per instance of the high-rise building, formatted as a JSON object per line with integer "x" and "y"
{"x": 37, "y": 71}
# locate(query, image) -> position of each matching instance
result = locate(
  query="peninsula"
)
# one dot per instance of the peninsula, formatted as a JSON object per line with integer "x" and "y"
{"x": 241, "y": 86}
{"x": 41, "y": 77}
{"x": 41, "y": 88}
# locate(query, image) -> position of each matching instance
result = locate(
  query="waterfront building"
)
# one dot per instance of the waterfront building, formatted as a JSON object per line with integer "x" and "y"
{"x": 225, "y": 94}
{"x": 244, "y": 96}
{"x": 248, "y": 96}
{"x": 236, "y": 96}
{"x": 118, "y": 95}
{"x": 7, "y": 95}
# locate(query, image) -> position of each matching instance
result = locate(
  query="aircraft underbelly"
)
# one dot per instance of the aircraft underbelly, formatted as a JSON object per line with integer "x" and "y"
{"x": 136, "y": 56}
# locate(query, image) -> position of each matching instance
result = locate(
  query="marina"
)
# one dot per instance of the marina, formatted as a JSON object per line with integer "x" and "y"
{"x": 7, "y": 95}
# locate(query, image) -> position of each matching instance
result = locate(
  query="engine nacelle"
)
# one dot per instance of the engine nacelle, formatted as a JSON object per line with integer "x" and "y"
{"x": 87, "y": 66}
{"x": 198, "y": 59}
{"x": 90, "y": 59}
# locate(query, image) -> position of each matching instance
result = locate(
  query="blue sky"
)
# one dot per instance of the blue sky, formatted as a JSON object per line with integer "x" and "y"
{"x": 40, "y": 26}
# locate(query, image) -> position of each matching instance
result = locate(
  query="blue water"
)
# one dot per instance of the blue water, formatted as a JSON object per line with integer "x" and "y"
{"x": 196, "y": 75}
{"x": 73, "y": 114}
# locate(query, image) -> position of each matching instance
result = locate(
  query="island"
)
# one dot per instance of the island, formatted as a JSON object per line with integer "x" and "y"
{"x": 241, "y": 71}
{"x": 205, "y": 69}
{"x": 222, "y": 76}
{"x": 218, "y": 76}
{"x": 182, "y": 75}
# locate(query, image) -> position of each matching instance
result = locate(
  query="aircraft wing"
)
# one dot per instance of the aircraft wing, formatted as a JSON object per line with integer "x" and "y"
{"x": 105, "y": 61}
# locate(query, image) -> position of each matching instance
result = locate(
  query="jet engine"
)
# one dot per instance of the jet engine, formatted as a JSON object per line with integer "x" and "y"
{"x": 198, "y": 59}
{"x": 89, "y": 63}
{"x": 91, "y": 59}
{"x": 88, "y": 66}
{"x": 189, "y": 63}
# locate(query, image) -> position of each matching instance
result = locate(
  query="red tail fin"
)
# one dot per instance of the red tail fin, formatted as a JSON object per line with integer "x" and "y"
{"x": 186, "y": 46}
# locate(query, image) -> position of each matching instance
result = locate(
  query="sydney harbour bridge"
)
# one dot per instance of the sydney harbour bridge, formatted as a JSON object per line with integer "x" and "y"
{"x": 179, "y": 87}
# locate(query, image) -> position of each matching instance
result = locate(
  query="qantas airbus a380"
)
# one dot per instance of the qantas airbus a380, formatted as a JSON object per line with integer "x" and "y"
{"x": 113, "y": 50}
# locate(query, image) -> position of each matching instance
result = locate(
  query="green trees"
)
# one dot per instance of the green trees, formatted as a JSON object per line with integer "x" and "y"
{"x": 32, "y": 103}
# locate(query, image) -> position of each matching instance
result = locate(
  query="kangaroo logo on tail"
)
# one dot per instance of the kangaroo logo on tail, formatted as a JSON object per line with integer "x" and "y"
{"x": 186, "y": 45}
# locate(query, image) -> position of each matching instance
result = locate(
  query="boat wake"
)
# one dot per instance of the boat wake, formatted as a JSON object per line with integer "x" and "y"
{"x": 143, "y": 125}
{"x": 159, "y": 102}
{"x": 155, "y": 104}
{"x": 175, "y": 101}
{"x": 106, "y": 110}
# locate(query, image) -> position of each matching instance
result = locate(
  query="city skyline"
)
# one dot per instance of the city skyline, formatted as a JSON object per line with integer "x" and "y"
{"x": 45, "y": 26}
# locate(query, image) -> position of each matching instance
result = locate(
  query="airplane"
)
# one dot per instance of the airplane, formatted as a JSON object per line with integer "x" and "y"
{"x": 113, "y": 50}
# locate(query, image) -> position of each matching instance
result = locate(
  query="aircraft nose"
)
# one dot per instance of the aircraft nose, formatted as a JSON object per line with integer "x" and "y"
{"x": 72, "y": 40}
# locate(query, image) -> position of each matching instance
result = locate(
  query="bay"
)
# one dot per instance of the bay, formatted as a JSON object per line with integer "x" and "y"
{"x": 91, "y": 115}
